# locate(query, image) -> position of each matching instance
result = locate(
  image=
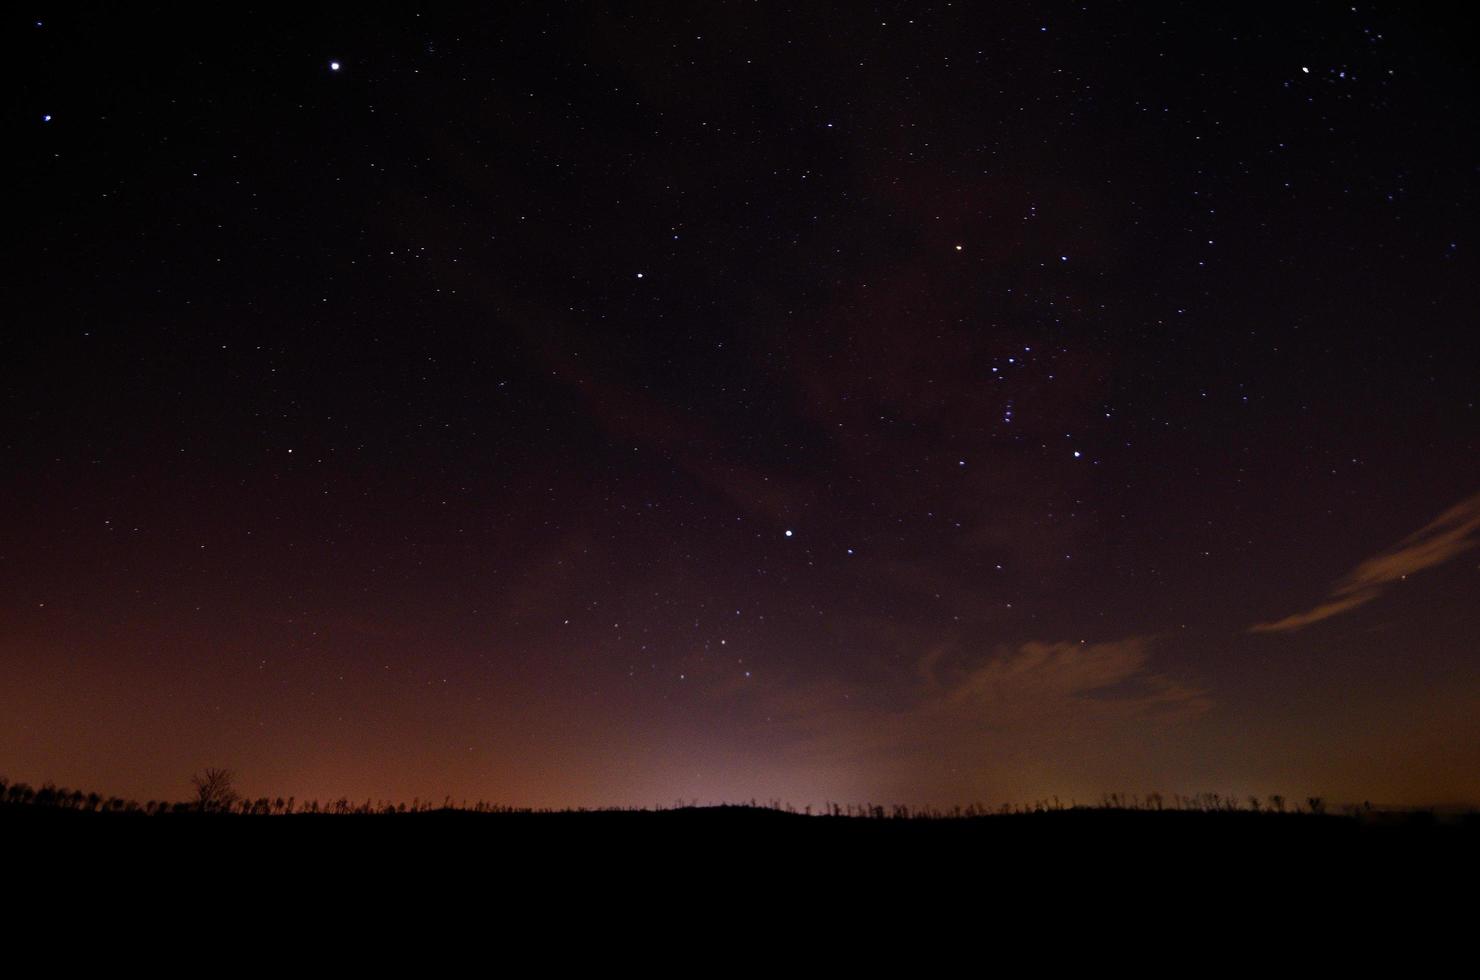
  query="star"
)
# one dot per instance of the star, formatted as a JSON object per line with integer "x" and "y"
{"x": 788, "y": 532}
{"x": 333, "y": 66}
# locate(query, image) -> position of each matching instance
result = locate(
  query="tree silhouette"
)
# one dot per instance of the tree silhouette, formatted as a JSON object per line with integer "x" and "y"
{"x": 213, "y": 791}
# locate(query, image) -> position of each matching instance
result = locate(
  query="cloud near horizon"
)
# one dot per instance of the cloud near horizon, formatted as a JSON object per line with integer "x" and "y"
{"x": 993, "y": 715}
{"x": 1060, "y": 681}
{"x": 1450, "y": 534}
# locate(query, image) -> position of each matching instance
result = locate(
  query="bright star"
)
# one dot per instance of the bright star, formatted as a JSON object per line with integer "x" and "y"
{"x": 788, "y": 532}
{"x": 333, "y": 66}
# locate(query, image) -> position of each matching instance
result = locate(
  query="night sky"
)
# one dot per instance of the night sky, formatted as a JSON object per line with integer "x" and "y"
{"x": 581, "y": 404}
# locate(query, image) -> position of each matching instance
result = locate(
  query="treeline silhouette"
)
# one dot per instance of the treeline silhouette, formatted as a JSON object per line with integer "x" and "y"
{"x": 215, "y": 796}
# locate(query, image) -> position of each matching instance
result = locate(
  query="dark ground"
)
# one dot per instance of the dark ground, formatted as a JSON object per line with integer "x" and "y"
{"x": 538, "y": 844}
{"x": 735, "y": 883}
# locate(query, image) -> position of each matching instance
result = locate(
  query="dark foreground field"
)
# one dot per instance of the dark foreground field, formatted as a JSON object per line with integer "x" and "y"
{"x": 744, "y": 874}
{"x": 745, "y": 839}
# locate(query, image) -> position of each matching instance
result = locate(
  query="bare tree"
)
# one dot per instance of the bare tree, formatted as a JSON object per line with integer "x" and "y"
{"x": 213, "y": 791}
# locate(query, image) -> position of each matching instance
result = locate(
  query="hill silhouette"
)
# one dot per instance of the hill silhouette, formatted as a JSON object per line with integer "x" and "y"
{"x": 700, "y": 870}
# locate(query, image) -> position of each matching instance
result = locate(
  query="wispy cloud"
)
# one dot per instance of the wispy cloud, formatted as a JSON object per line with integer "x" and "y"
{"x": 977, "y": 708}
{"x": 1448, "y": 535}
{"x": 1056, "y": 680}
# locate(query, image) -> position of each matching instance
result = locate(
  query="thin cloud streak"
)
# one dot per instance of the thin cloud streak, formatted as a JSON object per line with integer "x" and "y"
{"x": 982, "y": 709}
{"x": 1450, "y": 534}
